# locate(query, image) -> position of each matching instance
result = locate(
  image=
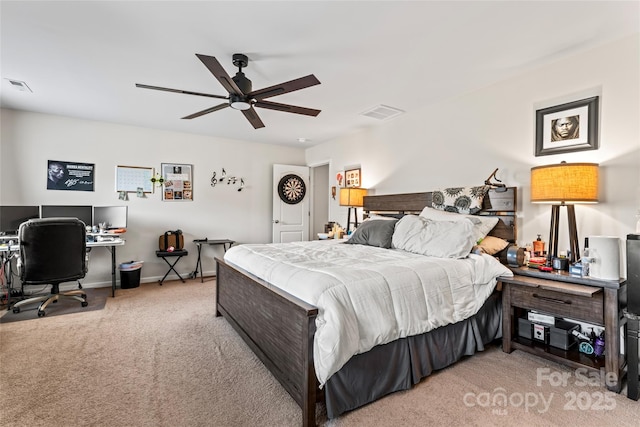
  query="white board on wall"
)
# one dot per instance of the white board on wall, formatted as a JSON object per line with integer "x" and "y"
{"x": 130, "y": 178}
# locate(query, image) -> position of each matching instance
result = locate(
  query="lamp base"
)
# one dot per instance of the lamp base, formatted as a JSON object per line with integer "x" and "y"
{"x": 574, "y": 248}
{"x": 355, "y": 215}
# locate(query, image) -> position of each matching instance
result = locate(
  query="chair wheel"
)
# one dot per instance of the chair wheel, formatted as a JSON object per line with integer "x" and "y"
{"x": 84, "y": 303}
{"x": 16, "y": 310}
{"x": 41, "y": 313}
{"x": 84, "y": 296}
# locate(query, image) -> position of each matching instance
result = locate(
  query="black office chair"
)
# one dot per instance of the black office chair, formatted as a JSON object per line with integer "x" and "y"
{"x": 52, "y": 251}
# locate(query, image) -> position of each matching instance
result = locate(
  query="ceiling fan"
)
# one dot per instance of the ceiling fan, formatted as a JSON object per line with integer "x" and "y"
{"x": 241, "y": 96}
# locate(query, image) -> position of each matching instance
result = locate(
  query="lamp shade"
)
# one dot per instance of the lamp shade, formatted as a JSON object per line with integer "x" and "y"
{"x": 565, "y": 183}
{"x": 353, "y": 197}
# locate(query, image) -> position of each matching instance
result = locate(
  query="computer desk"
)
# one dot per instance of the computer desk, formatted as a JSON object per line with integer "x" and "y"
{"x": 110, "y": 245}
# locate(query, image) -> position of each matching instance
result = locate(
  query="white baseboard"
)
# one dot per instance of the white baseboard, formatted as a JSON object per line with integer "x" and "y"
{"x": 149, "y": 279}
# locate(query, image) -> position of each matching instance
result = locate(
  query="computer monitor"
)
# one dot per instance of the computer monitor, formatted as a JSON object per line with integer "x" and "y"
{"x": 114, "y": 216}
{"x": 12, "y": 216}
{"x": 83, "y": 213}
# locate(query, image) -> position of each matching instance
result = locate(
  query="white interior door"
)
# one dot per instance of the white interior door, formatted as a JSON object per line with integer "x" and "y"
{"x": 290, "y": 203}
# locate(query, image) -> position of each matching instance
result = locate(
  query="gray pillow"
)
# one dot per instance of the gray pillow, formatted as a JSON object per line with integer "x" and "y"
{"x": 374, "y": 233}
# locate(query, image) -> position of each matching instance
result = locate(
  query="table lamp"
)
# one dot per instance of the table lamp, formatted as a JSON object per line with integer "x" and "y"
{"x": 564, "y": 184}
{"x": 352, "y": 197}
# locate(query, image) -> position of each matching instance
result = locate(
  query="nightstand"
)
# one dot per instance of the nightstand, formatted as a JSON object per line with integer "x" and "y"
{"x": 560, "y": 294}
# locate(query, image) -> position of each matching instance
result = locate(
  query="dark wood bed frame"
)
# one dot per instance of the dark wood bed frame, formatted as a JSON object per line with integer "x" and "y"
{"x": 279, "y": 327}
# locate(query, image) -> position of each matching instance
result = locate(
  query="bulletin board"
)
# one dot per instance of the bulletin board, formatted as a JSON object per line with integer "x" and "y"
{"x": 178, "y": 182}
{"x": 130, "y": 178}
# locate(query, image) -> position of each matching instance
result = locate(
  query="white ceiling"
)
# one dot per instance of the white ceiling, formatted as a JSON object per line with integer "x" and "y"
{"x": 82, "y": 59}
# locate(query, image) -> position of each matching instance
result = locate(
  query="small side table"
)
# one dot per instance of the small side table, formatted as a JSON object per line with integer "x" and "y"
{"x": 560, "y": 294}
{"x": 210, "y": 242}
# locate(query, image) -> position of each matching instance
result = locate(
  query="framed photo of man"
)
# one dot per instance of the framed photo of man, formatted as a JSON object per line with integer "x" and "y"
{"x": 71, "y": 176}
{"x": 568, "y": 127}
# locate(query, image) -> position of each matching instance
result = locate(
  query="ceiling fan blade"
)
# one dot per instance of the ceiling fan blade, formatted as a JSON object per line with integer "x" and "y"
{"x": 219, "y": 73}
{"x": 290, "y": 86}
{"x": 253, "y": 118}
{"x": 287, "y": 108}
{"x": 207, "y": 111}
{"x": 187, "y": 92}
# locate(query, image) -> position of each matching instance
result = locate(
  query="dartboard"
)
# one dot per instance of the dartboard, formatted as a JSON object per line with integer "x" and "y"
{"x": 291, "y": 189}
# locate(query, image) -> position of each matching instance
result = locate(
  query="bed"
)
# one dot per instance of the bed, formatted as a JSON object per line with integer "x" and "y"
{"x": 281, "y": 328}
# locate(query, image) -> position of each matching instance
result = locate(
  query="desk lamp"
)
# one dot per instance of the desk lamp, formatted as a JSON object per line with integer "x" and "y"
{"x": 353, "y": 198}
{"x": 564, "y": 184}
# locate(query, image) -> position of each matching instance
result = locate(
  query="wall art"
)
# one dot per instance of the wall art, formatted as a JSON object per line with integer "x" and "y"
{"x": 70, "y": 176}
{"x": 568, "y": 127}
{"x": 352, "y": 178}
{"x": 177, "y": 182}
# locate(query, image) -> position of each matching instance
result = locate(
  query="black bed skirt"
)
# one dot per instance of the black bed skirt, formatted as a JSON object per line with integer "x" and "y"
{"x": 369, "y": 376}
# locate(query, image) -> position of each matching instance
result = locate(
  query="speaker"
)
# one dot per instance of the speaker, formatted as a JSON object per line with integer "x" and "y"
{"x": 633, "y": 274}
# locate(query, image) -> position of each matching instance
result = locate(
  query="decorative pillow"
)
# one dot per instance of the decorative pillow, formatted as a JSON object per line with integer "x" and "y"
{"x": 491, "y": 245}
{"x": 464, "y": 200}
{"x": 482, "y": 225}
{"x": 381, "y": 217}
{"x": 374, "y": 233}
{"x": 442, "y": 239}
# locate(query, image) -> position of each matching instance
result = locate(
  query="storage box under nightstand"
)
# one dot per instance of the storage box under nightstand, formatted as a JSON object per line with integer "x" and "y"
{"x": 560, "y": 334}
{"x": 524, "y": 328}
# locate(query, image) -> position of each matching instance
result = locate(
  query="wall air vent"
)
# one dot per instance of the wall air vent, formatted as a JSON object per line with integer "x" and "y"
{"x": 19, "y": 85}
{"x": 382, "y": 112}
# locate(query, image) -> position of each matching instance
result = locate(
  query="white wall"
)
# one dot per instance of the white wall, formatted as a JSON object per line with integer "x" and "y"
{"x": 457, "y": 142}
{"x": 461, "y": 141}
{"x": 28, "y": 140}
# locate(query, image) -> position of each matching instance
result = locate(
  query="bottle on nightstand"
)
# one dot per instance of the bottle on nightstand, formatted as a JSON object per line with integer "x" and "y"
{"x": 586, "y": 262}
{"x": 538, "y": 246}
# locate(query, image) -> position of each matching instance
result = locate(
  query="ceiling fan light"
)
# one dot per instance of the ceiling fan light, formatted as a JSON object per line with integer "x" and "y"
{"x": 240, "y": 105}
{"x": 238, "y": 102}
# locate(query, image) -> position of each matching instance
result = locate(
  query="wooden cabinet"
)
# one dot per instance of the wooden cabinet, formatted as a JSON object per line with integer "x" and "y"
{"x": 562, "y": 295}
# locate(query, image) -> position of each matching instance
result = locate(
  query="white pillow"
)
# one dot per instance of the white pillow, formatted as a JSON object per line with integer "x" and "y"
{"x": 375, "y": 217}
{"x": 442, "y": 239}
{"x": 482, "y": 225}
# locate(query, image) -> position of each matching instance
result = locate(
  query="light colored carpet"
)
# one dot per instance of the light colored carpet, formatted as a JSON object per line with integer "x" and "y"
{"x": 158, "y": 356}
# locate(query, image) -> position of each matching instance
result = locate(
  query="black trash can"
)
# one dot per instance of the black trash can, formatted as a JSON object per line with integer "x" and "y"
{"x": 130, "y": 274}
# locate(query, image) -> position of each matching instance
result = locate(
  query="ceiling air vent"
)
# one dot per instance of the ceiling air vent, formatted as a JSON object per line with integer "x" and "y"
{"x": 382, "y": 112}
{"x": 19, "y": 85}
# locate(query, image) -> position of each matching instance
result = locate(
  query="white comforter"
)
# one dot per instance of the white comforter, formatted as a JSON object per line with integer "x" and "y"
{"x": 368, "y": 296}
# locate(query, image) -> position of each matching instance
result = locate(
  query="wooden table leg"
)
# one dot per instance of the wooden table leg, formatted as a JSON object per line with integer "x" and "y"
{"x": 507, "y": 318}
{"x": 612, "y": 340}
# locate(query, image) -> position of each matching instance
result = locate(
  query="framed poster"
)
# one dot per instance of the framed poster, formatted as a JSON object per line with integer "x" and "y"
{"x": 352, "y": 178}
{"x": 133, "y": 178}
{"x": 568, "y": 127}
{"x": 70, "y": 176}
{"x": 178, "y": 182}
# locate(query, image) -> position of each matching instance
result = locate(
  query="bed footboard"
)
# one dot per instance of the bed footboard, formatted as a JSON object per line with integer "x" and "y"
{"x": 277, "y": 326}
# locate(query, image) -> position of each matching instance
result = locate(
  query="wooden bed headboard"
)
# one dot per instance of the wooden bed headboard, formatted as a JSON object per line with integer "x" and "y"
{"x": 502, "y": 204}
